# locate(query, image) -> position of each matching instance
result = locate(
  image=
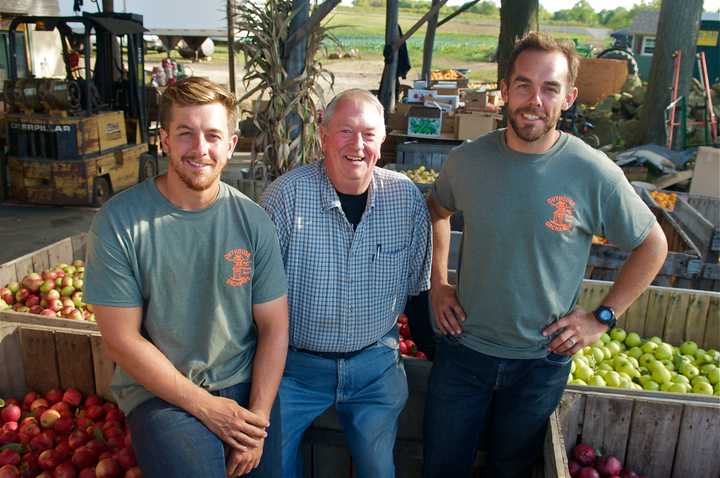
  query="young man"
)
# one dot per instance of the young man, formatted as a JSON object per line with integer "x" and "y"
{"x": 532, "y": 198}
{"x": 189, "y": 291}
{"x": 355, "y": 242}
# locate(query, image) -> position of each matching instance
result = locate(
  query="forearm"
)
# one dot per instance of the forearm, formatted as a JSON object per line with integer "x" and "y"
{"x": 440, "y": 245}
{"x": 638, "y": 271}
{"x": 140, "y": 359}
{"x": 268, "y": 366}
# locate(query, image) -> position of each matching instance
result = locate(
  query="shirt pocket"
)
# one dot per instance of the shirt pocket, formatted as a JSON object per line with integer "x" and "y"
{"x": 387, "y": 274}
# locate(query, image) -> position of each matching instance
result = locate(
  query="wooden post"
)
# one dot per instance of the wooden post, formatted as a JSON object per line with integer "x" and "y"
{"x": 387, "y": 84}
{"x": 295, "y": 62}
{"x": 517, "y": 17}
{"x": 230, "y": 7}
{"x": 429, "y": 43}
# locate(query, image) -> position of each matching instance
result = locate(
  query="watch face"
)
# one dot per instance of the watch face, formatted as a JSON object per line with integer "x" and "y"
{"x": 605, "y": 315}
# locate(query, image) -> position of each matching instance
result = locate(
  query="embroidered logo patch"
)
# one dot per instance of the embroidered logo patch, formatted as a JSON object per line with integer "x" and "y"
{"x": 562, "y": 218}
{"x": 242, "y": 270}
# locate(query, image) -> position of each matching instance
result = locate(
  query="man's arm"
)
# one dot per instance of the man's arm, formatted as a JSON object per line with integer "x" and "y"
{"x": 138, "y": 357}
{"x": 271, "y": 319}
{"x": 633, "y": 278}
{"x": 448, "y": 312}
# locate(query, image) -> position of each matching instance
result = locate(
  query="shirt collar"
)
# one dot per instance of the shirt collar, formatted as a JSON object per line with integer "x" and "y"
{"x": 328, "y": 195}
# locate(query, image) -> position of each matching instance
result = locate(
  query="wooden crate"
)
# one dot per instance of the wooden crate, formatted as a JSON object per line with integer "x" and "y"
{"x": 65, "y": 251}
{"x": 38, "y": 357}
{"x": 325, "y": 452}
{"x": 675, "y": 315}
{"x": 599, "y": 78}
{"x": 661, "y": 438}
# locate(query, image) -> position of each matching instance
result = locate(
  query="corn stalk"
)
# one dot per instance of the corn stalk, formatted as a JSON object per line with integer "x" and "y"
{"x": 266, "y": 27}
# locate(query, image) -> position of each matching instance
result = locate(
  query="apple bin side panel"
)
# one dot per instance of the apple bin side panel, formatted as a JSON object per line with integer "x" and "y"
{"x": 12, "y": 372}
{"x": 697, "y": 451}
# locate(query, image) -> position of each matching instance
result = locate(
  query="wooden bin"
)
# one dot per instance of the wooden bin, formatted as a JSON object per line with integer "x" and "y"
{"x": 660, "y": 438}
{"x": 38, "y": 357}
{"x": 325, "y": 452}
{"x": 64, "y": 251}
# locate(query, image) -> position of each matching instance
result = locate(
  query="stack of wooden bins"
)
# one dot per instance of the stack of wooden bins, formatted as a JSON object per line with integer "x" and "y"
{"x": 40, "y": 353}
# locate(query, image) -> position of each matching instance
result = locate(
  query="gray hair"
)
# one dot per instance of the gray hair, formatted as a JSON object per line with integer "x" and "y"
{"x": 355, "y": 94}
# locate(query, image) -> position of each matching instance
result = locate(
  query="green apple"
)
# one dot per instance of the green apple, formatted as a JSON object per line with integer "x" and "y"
{"x": 649, "y": 347}
{"x": 677, "y": 378}
{"x": 618, "y": 334}
{"x": 649, "y": 384}
{"x": 706, "y": 368}
{"x": 577, "y": 381}
{"x": 647, "y": 359}
{"x": 613, "y": 379}
{"x": 668, "y": 363}
{"x": 655, "y": 339}
{"x": 664, "y": 351}
{"x": 597, "y": 353}
{"x": 689, "y": 370}
{"x": 597, "y": 381}
{"x": 605, "y": 365}
{"x": 678, "y": 388}
{"x": 688, "y": 348}
{"x": 661, "y": 374}
{"x": 633, "y": 339}
{"x": 583, "y": 372}
{"x": 703, "y": 388}
{"x": 634, "y": 362}
{"x": 634, "y": 352}
{"x": 605, "y": 338}
{"x": 714, "y": 376}
{"x": 698, "y": 379}
{"x": 665, "y": 386}
{"x": 615, "y": 347}
{"x": 572, "y": 367}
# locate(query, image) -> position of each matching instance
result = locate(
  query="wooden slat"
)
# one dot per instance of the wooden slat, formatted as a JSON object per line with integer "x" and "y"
{"x": 634, "y": 318}
{"x": 12, "y": 372}
{"x": 40, "y": 261}
{"x": 23, "y": 267}
{"x": 675, "y": 319}
{"x": 610, "y": 435}
{"x": 554, "y": 455}
{"x": 570, "y": 413}
{"x": 103, "y": 368}
{"x": 74, "y": 355}
{"x": 697, "y": 316}
{"x": 712, "y": 328}
{"x": 33, "y": 320}
{"x": 61, "y": 252}
{"x": 697, "y": 450}
{"x": 7, "y": 274}
{"x": 655, "y": 319}
{"x": 38, "y": 352}
{"x": 665, "y": 397}
{"x": 652, "y": 438}
{"x": 79, "y": 243}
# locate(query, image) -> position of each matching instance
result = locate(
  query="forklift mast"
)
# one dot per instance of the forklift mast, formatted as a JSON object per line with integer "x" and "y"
{"x": 100, "y": 90}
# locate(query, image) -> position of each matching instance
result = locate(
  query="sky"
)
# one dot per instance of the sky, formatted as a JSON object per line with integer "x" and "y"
{"x": 185, "y": 13}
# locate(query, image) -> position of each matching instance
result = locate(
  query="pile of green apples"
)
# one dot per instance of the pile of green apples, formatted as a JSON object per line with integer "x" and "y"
{"x": 626, "y": 360}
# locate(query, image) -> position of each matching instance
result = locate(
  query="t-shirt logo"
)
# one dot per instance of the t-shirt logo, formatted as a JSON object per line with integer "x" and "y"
{"x": 242, "y": 270}
{"x": 562, "y": 218}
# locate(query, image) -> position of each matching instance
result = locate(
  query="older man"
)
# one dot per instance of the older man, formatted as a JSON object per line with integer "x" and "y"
{"x": 355, "y": 241}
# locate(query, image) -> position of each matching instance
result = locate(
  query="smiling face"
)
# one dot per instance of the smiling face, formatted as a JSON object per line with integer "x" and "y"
{"x": 351, "y": 141}
{"x": 198, "y": 144}
{"x": 535, "y": 95}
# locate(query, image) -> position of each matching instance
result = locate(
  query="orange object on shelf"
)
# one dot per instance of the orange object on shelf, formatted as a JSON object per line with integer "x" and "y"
{"x": 664, "y": 200}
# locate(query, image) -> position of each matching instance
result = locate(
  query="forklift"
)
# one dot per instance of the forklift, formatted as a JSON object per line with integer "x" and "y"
{"x": 81, "y": 139}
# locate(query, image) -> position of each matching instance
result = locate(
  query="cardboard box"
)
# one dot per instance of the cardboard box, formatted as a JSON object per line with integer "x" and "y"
{"x": 448, "y": 124}
{"x": 706, "y": 178}
{"x": 403, "y": 108}
{"x": 418, "y": 96}
{"x": 420, "y": 84}
{"x": 599, "y": 78}
{"x": 397, "y": 121}
{"x": 446, "y": 91}
{"x": 471, "y": 126}
{"x": 475, "y": 96}
{"x": 424, "y": 121}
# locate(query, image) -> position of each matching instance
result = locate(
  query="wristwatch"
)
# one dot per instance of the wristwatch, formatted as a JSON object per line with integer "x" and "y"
{"x": 605, "y": 315}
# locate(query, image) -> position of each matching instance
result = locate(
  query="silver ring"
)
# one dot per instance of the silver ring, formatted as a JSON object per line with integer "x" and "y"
{"x": 572, "y": 341}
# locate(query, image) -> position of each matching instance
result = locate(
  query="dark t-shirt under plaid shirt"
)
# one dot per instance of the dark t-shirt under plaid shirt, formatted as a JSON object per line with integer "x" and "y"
{"x": 346, "y": 288}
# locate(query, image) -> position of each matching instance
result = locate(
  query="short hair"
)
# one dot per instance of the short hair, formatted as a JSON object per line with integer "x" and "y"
{"x": 353, "y": 93}
{"x": 536, "y": 41}
{"x": 197, "y": 91}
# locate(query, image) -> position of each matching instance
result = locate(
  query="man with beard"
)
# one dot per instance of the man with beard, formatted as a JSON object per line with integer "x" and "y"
{"x": 532, "y": 197}
{"x": 187, "y": 281}
{"x": 355, "y": 241}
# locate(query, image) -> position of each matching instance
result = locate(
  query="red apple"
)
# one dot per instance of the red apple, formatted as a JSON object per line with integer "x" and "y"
{"x": 40, "y": 402}
{"x": 87, "y": 473}
{"x": 108, "y": 468}
{"x": 48, "y": 313}
{"x": 72, "y": 397}
{"x": 11, "y": 413}
{"x": 77, "y": 439}
{"x": 32, "y": 281}
{"x": 49, "y": 275}
{"x": 32, "y": 300}
{"x": 9, "y": 427}
{"x": 95, "y": 412}
{"x": 63, "y": 450}
{"x": 126, "y": 458}
{"x": 64, "y": 470}
{"x": 36, "y": 309}
{"x": 53, "y": 294}
{"x": 47, "y": 460}
{"x": 22, "y": 294}
{"x": 7, "y": 295}
{"x": 49, "y": 417}
{"x": 55, "y": 305}
{"x": 64, "y": 425}
{"x": 75, "y": 314}
{"x": 93, "y": 399}
{"x": 9, "y": 471}
{"x": 83, "y": 457}
{"x": 133, "y": 472}
{"x": 9, "y": 457}
{"x": 53, "y": 395}
{"x": 46, "y": 286}
{"x": 43, "y": 441}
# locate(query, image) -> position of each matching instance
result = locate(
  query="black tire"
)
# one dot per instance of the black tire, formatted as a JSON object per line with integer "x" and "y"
{"x": 148, "y": 166}
{"x": 101, "y": 191}
{"x": 614, "y": 54}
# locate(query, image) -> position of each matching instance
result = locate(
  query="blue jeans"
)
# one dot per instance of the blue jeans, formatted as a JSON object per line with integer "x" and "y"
{"x": 171, "y": 443}
{"x": 472, "y": 394}
{"x": 368, "y": 390}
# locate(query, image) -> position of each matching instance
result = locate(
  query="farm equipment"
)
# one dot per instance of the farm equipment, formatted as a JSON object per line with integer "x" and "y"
{"x": 78, "y": 140}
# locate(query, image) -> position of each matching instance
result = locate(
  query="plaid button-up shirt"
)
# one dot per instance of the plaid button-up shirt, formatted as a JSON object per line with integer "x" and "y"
{"x": 346, "y": 288}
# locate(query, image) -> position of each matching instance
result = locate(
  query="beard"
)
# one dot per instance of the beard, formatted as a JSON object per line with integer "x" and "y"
{"x": 530, "y": 133}
{"x": 196, "y": 182}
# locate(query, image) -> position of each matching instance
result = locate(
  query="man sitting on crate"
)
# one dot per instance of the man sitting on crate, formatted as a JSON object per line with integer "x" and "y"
{"x": 189, "y": 291}
{"x": 532, "y": 198}
{"x": 356, "y": 242}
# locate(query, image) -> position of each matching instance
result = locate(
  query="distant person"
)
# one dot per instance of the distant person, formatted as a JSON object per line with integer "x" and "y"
{"x": 187, "y": 281}
{"x": 355, "y": 240}
{"x": 532, "y": 199}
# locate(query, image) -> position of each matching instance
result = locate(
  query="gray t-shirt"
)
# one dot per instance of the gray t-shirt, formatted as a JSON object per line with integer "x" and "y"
{"x": 529, "y": 222}
{"x": 196, "y": 274}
